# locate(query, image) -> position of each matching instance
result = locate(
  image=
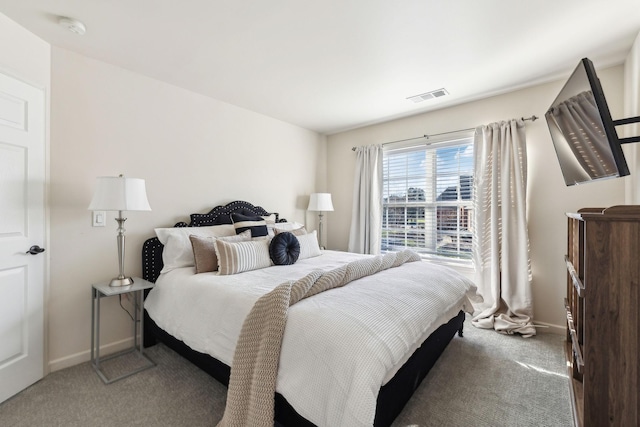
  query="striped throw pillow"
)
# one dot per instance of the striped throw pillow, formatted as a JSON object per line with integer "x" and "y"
{"x": 236, "y": 257}
{"x": 309, "y": 245}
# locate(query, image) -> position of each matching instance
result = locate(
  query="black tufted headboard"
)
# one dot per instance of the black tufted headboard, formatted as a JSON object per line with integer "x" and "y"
{"x": 152, "y": 248}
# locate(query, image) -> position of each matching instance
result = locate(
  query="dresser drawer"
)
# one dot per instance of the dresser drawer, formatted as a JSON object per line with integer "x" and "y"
{"x": 575, "y": 344}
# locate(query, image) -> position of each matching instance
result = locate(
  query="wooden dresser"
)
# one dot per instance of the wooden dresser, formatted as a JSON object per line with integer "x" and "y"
{"x": 603, "y": 304}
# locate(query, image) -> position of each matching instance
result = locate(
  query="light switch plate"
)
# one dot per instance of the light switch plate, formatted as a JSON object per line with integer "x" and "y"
{"x": 99, "y": 218}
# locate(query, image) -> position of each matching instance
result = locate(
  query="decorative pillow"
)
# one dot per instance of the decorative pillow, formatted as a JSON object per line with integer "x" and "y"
{"x": 256, "y": 224}
{"x": 309, "y": 245}
{"x": 236, "y": 257}
{"x": 284, "y": 249}
{"x": 285, "y": 226}
{"x": 204, "y": 250}
{"x": 282, "y": 226}
{"x": 270, "y": 219}
{"x": 177, "y": 250}
{"x": 296, "y": 231}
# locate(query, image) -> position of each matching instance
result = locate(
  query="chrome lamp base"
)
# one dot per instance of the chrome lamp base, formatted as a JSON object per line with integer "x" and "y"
{"x": 125, "y": 281}
{"x": 121, "y": 280}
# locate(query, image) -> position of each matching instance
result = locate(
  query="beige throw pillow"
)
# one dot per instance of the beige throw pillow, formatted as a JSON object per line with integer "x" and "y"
{"x": 204, "y": 250}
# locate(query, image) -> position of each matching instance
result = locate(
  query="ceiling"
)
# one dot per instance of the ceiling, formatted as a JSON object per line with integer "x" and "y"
{"x": 333, "y": 65}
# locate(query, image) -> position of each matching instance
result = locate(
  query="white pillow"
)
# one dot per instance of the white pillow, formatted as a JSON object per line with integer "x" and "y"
{"x": 296, "y": 231}
{"x": 286, "y": 226}
{"x": 270, "y": 219}
{"x": 178, "y": 251}
{"x": 236, "y": 257}
{"x": 282, "y": 226}
{"x": 309, "y": 245}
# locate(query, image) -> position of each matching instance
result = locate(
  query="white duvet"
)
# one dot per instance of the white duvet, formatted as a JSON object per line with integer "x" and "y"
{"x": 339, "y": 347}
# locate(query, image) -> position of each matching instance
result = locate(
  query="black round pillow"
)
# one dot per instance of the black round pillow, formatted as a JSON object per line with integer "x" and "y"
{"x": 284, "y": 249}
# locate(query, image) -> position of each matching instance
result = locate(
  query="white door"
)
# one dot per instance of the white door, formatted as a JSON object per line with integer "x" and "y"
{"x": 22, "y": 225}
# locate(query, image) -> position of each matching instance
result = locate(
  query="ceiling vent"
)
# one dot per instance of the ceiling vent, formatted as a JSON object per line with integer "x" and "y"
{"x": 428, "y": 95}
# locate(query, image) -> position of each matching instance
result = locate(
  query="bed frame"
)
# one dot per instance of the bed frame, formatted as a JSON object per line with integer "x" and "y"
{"x": 392, "y": 397}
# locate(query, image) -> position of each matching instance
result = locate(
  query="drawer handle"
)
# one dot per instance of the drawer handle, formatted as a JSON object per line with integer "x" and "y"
{"x": 575, "y": 345}
{"x": 577, "y": 283}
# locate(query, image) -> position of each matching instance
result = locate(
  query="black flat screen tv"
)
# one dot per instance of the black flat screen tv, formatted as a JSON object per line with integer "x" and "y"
{"x": 583, "y": 133}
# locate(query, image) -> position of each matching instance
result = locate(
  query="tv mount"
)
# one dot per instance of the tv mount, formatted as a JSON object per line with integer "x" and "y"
{"x": 627, "y": 121}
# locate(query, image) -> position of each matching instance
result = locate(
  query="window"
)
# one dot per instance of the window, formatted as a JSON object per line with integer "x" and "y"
{"x": 427, "y": 199}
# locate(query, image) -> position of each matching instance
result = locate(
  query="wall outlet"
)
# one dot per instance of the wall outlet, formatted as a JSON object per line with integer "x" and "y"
{"x": 99, "y": 218}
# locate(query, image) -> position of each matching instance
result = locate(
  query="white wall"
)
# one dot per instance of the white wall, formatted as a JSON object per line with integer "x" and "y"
{"x": 194, "y": 153}
{"x": 548, "y": 198}
{"x": 23, "y": 55}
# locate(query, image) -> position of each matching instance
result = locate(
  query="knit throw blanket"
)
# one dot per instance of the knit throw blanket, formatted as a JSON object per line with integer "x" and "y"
{"x": 252, "y": 383}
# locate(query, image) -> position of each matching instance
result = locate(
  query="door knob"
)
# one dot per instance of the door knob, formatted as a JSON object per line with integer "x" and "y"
{"x": 35, "y": 250}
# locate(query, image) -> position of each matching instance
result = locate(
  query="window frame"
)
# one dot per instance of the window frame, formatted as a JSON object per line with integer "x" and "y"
{"x": 429, "y": 144}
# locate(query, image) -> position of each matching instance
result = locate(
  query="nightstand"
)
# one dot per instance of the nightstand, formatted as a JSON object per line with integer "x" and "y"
{"x": 102, "y": 290}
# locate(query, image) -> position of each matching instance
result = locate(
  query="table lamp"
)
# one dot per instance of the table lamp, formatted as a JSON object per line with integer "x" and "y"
{"x": 320, "y": 202}
{"x": 117, "y": 193}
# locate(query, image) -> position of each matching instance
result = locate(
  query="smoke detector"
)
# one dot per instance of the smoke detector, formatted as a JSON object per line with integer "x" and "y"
{"x": 428, "y": 95}
{"x": 72, "y": 25}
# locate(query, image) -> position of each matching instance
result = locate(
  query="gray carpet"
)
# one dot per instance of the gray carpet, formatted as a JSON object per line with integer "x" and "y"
{"x": 483, "y": 379}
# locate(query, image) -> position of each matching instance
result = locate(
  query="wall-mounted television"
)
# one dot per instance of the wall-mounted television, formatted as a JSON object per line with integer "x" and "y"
{"x": 583, "y": 133}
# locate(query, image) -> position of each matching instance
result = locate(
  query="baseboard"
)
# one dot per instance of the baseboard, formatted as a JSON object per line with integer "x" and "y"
{"x": 548, "y": 328}
{"x": 85, "y": 356}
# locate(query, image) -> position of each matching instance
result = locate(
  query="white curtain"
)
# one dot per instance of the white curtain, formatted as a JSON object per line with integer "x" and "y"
{"x": 366, "y": 216}
{"x": 501, "y": 242}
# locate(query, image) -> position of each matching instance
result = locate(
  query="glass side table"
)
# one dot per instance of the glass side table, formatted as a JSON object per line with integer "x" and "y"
{"x": 102, "y": 290}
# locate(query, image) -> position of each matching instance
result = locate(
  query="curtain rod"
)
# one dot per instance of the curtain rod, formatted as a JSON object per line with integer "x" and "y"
{"x": 532, "y": 118}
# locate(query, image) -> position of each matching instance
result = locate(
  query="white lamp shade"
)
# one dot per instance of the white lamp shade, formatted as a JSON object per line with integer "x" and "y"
{"x": 117, "y": 193}
{"x": 320, "y": 202}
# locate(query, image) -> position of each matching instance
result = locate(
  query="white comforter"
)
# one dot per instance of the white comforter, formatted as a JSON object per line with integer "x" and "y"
{"x": 339, "y": 347}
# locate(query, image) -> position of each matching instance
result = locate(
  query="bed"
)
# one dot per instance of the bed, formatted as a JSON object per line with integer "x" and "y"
{"x": 170, "y": 313}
